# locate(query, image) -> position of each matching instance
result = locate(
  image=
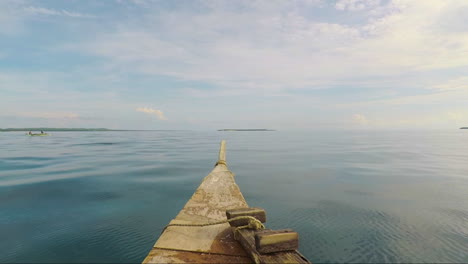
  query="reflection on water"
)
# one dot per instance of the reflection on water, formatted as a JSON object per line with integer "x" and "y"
{"x": 353, "y": 197}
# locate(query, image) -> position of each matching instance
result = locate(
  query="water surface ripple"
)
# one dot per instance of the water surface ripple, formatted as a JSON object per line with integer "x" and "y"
{"x": 357, "y": 197}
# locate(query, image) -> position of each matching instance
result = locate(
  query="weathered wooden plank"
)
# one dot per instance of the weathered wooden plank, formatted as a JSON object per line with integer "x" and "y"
{"x": 217, "y": 193}
{"x": 258, "y": 213}
{"x": 222, "y": 151}
{"x": 247, "y": 240}
{"x": 269, "y": 241}
{"x": 159, "y": 255}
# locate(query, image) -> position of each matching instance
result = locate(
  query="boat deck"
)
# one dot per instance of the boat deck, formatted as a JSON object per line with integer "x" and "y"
{"x": 217, "y": 193}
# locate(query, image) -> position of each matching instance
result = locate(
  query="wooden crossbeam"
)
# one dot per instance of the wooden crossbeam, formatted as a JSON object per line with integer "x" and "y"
{"x": 246, "y": 237}
{"x": 269, "y": 241}
{"x": 258, "y": 213}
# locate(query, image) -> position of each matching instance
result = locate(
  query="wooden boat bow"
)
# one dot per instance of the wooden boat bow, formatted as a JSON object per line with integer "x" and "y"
{"x": 217, "y": 193}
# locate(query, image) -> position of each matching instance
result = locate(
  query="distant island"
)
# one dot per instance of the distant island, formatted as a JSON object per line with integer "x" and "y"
{"x": 254, "y": 129}
{"x": 463, "y": 127}
{"x": 52, "y": 129}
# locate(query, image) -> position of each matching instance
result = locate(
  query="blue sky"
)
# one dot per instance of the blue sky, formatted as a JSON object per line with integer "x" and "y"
{"x": 300, "y": 65}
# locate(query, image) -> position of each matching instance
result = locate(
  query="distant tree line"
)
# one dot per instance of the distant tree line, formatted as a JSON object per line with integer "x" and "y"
{"x": 52, "y": 129}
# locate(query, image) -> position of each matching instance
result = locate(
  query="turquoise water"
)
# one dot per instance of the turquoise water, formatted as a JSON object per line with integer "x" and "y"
{"x": 352, "y": 196}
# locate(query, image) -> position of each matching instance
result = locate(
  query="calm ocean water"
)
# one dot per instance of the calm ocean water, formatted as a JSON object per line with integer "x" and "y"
{"x": 352, "y": 196}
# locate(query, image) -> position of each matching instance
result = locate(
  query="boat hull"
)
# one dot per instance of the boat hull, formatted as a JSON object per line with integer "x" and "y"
{"x": 185, "y": 241}
{"x": 210, "y": 244}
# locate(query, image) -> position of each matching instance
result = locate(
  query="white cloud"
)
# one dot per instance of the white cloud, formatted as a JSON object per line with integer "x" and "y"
{"x": 412, "y": 120}
{"x": 283, "y": 49}
{"x": 355, "y": 5}
{"x": 360, "y": 119}
{"x": 453, "y": 91}
{"x": 452, "y": 119}
{"x": 14, "y": 15}
{"x": 158, "y": 113}
{"x": 52, "y": 12}
{"x": 460, "y": 84}
{"x": 260, "y": 48}
{"x": 458, "y": 117}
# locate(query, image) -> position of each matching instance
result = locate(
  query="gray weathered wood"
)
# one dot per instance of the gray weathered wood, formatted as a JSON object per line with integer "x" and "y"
{"x": 269, "y": 241}
{"x": 217, "y": 193}
{"x": 222, "y": 151}
{"x": 258, "y": 213}
{"x": 247, "y": 240}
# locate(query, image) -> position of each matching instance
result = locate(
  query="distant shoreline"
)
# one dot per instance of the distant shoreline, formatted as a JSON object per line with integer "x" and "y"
{"x": 463, "y": 127}
{"x": 242, "y": 129}
{"x": 53, "y": 129}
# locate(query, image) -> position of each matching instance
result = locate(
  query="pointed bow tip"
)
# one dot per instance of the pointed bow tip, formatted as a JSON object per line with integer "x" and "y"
{"x": 222, "y": 152}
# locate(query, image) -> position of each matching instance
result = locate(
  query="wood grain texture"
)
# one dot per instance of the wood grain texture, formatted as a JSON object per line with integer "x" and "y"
{"x": 269, "y": 241}
{"x": 217, "y": 193}
{"x": 258, "y": 213}
{"x": 247, "y": 240}
{"x": 173, "y": 256}
{"x": 222, "y": 151}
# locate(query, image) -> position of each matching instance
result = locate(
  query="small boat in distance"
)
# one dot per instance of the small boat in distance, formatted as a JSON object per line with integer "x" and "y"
{"x": 37, "y": 134}
{"x": 212, "y": 228}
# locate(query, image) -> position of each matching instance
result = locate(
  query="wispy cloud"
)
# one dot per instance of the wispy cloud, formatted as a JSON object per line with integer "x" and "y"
{"x": 360, "y": 119}
{"x": 158, "y": 113}
{"x": 282, "y": 48}
{"x": 459, "y": 117}
{"x": 453, "y": 119}
{"x": 52, "y": 12}
{"x": 16, "y": 14}
{"x": 364, "y": 56}
{"x": 355, "y": 5}
{"x": 460, "y": 84}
